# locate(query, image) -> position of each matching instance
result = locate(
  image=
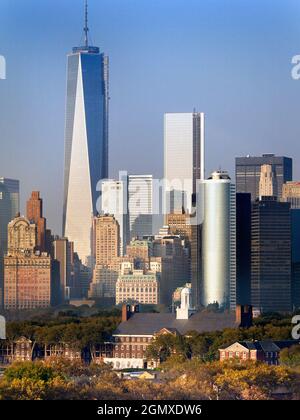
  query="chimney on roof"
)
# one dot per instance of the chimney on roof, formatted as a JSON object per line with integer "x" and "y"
{"x": 128, "y": 311}
{"x": 244, "y": 316}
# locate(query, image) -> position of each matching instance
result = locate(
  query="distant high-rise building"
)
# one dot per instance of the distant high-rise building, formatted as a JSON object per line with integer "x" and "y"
{"x": 218, "y": 241}
{"x": 35, "y": 215}
{"x": 232, "y": 218}
{"x": 31, "y": 279}
{"x": 9, "y": 208}
{"x": 243, "y": 248}
{"x": 114, "y": 200}
{"x": 248, "y": 173}
{"x": 267, "y": 182}
{"x": 141, "y": 252}
{"x": 106, "y": 234}
{"x": 63, "y": 251}
{"x": 291, "y": 194}
{"x": 271, "y": 255}
{"x": 171, "y": 258}
{"x": 86, "y": 142}
{"x": 183, "y": 159}
{"x": 295, "y": 219}
{"x": 9, "y": 205}
{"x": 21, "y": 236}
{"x": 181, "y": 224}
{"x": 140, "y": 204}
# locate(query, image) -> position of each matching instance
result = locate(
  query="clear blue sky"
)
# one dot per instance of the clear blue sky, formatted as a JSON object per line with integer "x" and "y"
{"x": 228, "y": 58}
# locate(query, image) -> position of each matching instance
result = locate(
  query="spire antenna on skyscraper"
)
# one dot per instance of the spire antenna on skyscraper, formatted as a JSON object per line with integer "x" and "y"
{"x": 86, "y": 28}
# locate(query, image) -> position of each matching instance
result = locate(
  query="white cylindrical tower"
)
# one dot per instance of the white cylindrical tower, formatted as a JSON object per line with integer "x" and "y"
{"x": 216, "y": 239}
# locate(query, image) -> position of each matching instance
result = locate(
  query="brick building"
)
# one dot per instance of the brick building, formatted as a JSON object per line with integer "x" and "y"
{"x": 137, "y": 330}
{"x": 31, "y": 278}
{"x": 264, "y": 351}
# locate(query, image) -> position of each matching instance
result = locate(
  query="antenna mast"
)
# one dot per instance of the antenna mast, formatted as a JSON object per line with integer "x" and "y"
{"x": 86, "y": 28}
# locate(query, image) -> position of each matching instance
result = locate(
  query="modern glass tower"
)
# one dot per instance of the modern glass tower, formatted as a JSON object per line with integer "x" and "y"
{"x": 86, "y": 142}
{"x": 248, "y": 173}
{"x": 140, "y": 204}
{"x": 183, "y": 158}
{"x": 218, "y": 241}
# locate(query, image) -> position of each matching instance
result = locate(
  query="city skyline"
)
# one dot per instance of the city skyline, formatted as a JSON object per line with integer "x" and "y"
{"x": 86, "y": 140}
{"x": 210, "y": 80}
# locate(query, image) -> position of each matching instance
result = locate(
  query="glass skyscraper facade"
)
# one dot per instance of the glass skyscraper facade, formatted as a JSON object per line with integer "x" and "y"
{"x": 9, "y": 207}
{"x": 248, "y": 173}
{"x": 183, "y": 158}
{"x": 114, "y": 201}
{"x": 271, "y": 246}
{"x": 140, "y": 205}
{"x": 86, "y": 143}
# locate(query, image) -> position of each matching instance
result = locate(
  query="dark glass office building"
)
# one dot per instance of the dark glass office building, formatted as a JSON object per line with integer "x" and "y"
{"x": 295, "y": 214}
{"x": 243, "y": 248}
{"x": 271, "y": 285}
{"x": 248, "y": 170}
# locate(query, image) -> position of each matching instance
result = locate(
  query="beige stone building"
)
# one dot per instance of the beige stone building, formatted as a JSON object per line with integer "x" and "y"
{"x": 106, "y": 249}
{"x": 106, "y": 234}
{"x": 21, "y": 235}
{"x": 291, "y": 193}
{"x": 139, "y": 287}
{"x": 30, "y": 278}
{"x": 267, "y": 182}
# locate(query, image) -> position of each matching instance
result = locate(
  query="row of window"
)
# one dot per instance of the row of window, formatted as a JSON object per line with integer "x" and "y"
{"x": 136, "y": 289}
{"x": 133, "y": 339}
{"x": 133, "y": 348}
{"x": 127, "y": 356}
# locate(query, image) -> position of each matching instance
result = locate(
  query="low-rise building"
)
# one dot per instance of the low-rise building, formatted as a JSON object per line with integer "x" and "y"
{"x": 137, "y": 330}
{"x": 139, "y": 287}
{"x": 266, "y": 351}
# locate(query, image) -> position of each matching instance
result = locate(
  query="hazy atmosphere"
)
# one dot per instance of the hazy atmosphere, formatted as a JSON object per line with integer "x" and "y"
{"x": 228, "y": 58}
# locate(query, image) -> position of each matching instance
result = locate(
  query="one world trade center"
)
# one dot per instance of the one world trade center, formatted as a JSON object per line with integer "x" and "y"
{"x": 86, "y": 141}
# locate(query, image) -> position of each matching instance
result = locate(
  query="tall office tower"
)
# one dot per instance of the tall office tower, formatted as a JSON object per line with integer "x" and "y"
{"x": 295, "y": 218}
{"x": 243, "y": 248}
{"x": 173, "y": 264}
{"x": 291, "y": 194}
{"x": 106, "y": 234}
{"x": 86, "y": 142}
{"x": 64, "y": 254}
{"x": 217, "y": 236}
{"x": 267, "y": 182}
{"x": 183, "y": 159}
{"x": 196, "y": 263}
{"x": 140, "y": 251}
{"x": 31, "y": 280}
{"x": 140, "y": 205}
{"x": 9, "y": 207}
{"x": 248, "y": 172}
{"x": 35, "y": 215}
{"x": 271, "y": 255}
{"x": 232, "y": 215}
{"x": 114, "y": 200}
{"x": 181, "y": 224}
